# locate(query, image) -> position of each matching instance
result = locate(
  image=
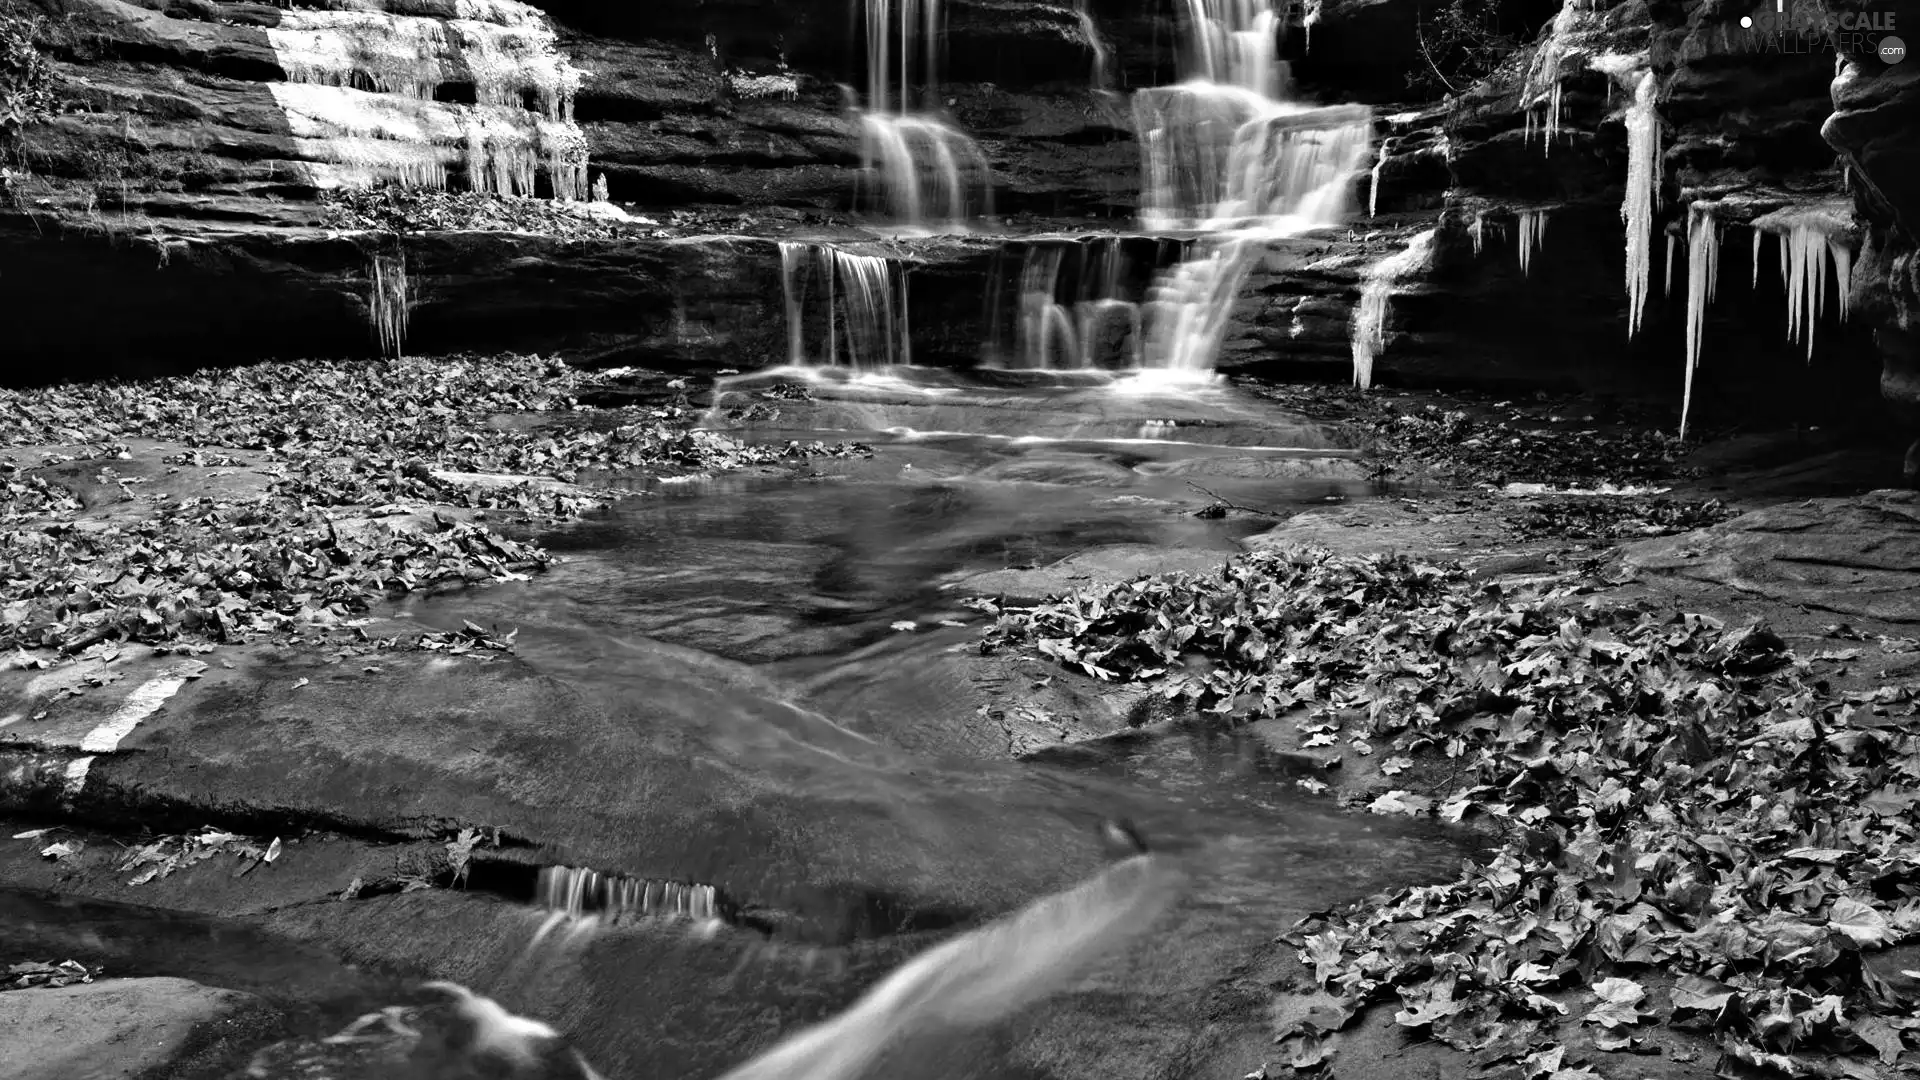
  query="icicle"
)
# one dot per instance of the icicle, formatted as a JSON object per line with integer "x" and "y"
{"x": 1533, "y": 233}
{"x": 1643, "y": 186}
{"x": 1703, "y": 281}
{"x": 1373, "y": 192}
{"x": 390, "y": 304}
{"x": 1758, "y": 235}
{"x": 1370, "y": 317}
{"x": 1668, "y": 287}
{"x": 1477, "y": 232}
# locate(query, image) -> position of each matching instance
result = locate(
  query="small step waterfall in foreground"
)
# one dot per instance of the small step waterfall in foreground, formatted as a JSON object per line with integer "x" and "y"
{"x": 926, "y": 171}
{"x": 1223, "y": 152}
{"x": 579, "y": 901}
{"x": 854, "y": 305}
{"x": 1077, "y": 303}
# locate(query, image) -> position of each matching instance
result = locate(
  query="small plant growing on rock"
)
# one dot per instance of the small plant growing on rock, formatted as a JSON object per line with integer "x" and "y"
{"x": 1461, "y": 42}
{"x": 26, "y": 79}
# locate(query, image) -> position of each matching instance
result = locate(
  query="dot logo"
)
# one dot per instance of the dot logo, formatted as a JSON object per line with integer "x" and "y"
{"x": 1892, "y": 49}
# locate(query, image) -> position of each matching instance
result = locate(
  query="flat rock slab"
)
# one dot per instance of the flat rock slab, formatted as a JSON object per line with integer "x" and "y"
{"x": 1382, "y": 527}
{"x": 1092, "y": 568}
{"x": 657, "y": 768}
{"x": 105, "y": 1030}
{"x": 1855, "y": 556}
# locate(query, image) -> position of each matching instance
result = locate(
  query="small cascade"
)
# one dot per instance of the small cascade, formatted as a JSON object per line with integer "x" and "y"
{"x": 1370, "y": 317}
{"x": 360, "y": 99}
{"x": 926, "y": 172}
{"x": 858, "y": 301}
{"x": 997, "y": 971}
{"x": 1532, "y": 234}
{"x": 580, "y": 892}
{"x": 389, "y": 301}
{"x": 1101, "y": 77}
{"x": 1223, "y": 153}
{"x": 1703, "y": 282}
{"x": 1191, "y": 305}
{"x": 1373, "y": 183}
{"x": 1076, "y": 307}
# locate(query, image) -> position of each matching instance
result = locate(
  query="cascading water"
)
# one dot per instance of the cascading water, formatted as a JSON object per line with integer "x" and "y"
{"x": 1370, "y": 317}
{"x": 361, "y": 101}
{"x": 926, "y": 172}
{"x": 858, "y": 302}
{"x": 1076, "y": 305}
{"x": 1224, "y": 153}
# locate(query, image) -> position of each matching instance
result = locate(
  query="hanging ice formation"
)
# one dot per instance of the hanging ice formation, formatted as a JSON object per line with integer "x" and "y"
{"x": 1373, "y": 187}
{"x": 390, "y": 303}
{"x": 1703, "y": 281}
{"x": 1810, "y": 242}
{"x": 1643, "y": 175}
{"x": 928, "y": 172}
{"x": 1370, "y": 317}
{"x": 1667, "y": 286}
{"x": 859, "y": 303}
{"x": 1477, "y": 232}
{"x": 1532, "y": 229}
{"x": 1225, "y": 153}
{"x": 1542, "y": 89}
{"x": 360, "y": 99}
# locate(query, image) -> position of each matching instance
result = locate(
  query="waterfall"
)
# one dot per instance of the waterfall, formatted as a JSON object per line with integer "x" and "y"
{"x": 926, "y": 171}
{"x": 1101, "y": 77}
{"x": 390, "y": 300}
{"x": 1373, "y": 185}
{"x": 1703, "y": 281}
{"x": 1370, "y": 317}
{"x": 579, "y": 893}
{"x": 859, "y": 300}
{"x": 1074, "y": 306}
{"x": 1223, "y": 153}
{"x": 1532, "y": 234}
{"x": 359, "y": 99}
{"x": 981, "y": 976}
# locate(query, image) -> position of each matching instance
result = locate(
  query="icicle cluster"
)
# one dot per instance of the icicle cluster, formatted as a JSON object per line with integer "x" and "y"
{"x": 1805, "y": 253}
{"x": 1543, "y": 86}
{"x": 1477, "y": 232}
{"x": 1703, "y": 282}
{"x": 1643, "y": 192}
{"x": 1370, "y": 317}
{"x": 390, "y": 302}
{"x": 1532, "y": 234}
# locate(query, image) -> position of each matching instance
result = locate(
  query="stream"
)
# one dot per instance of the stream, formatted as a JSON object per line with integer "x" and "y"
{"x": 830, "y": 597}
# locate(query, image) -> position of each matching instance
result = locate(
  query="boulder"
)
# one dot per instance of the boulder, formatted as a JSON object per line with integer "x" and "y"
{"x": 107, "y": 1030}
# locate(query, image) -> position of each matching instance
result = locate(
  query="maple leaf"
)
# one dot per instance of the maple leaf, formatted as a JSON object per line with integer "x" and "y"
{"x": 1861, "y": 923}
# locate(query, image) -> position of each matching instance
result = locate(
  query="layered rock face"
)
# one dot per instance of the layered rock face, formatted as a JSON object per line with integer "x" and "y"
{"x": 1573, "y": 193}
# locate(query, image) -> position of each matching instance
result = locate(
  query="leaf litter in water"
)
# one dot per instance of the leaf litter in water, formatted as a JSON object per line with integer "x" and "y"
{"x": 337, "y": 441}
{"x": 1680, "y": 799}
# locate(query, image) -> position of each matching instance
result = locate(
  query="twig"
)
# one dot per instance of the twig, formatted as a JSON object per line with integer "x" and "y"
{"x": 1420, "y": 38}
{"x": 1218, "y": 501}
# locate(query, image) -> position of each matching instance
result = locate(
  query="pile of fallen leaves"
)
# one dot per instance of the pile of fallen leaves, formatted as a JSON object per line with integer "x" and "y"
{"x": 164, "y": 856}
{"x": 1485, "y": 449}
{"x": 349, "y": 446}
{"x": 396, "y": 209}
{"x": 1699, "y": 832}
{"x": 34, "y": 973}
{"x": 1578, "y": 517}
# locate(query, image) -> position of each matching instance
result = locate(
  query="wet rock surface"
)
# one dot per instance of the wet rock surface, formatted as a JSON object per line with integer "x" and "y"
{"x": 112, "y": 1029}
